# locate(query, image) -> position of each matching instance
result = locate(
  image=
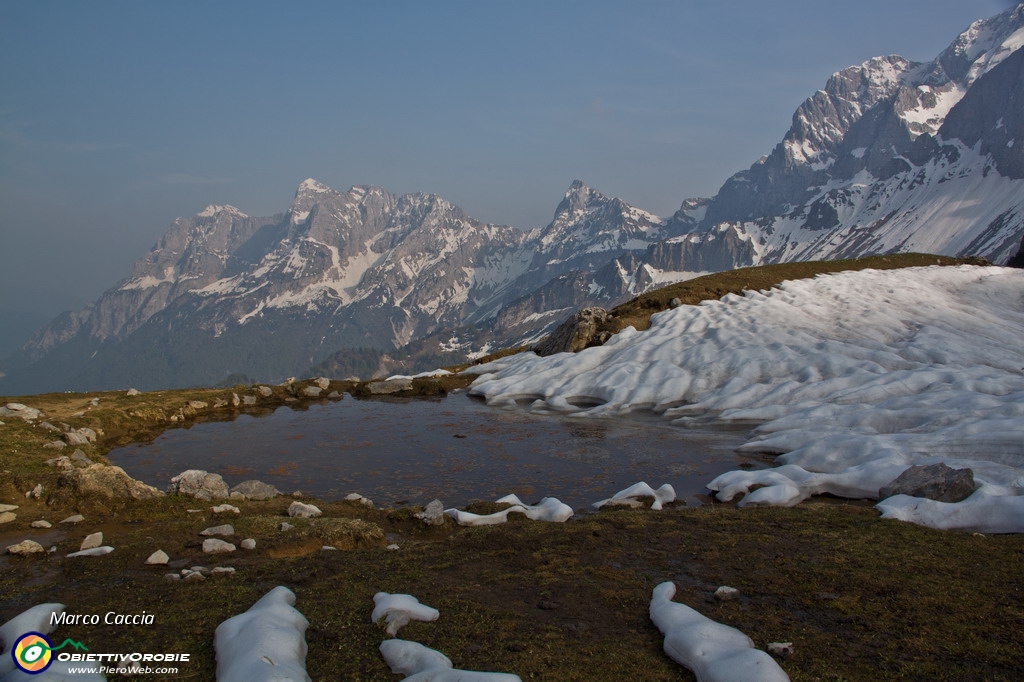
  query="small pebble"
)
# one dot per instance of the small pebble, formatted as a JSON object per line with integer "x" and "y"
{"x": 725, "y": 593}
{"x": 249, "y": 543}
{"x": 42, "y": 523}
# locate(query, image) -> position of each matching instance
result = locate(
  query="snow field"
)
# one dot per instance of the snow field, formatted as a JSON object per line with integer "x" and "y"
{"x": 852, "y": 377}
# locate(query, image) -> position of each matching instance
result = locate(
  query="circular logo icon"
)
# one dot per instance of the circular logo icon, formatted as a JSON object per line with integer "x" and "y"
{"x": 32, "y": 653}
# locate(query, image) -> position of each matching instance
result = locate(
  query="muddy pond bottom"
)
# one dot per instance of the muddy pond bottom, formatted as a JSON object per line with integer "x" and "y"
{"x": 410, "y": 451}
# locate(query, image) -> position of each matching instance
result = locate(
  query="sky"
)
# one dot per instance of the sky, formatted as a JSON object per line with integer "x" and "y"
{"x": 116, "y": 117}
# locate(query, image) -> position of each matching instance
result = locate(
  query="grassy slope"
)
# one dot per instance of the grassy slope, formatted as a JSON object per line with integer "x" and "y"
{"x": 861, "y": 598}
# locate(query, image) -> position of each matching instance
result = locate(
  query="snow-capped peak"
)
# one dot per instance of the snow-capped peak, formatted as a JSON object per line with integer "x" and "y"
{"x": 215, "y": 209}
{"x": 311, "y": 186}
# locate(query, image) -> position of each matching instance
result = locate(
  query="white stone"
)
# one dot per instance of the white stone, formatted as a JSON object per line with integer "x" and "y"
{"x": 42, "y": 523}
{"x": 226, "y": 529}
{"x": 8, "y": 507}
{"x": 158, "y": 558}
{"x": 217, "y": 546}
{"x": 25, "y": 547}
{"x": 7, "y": 517}
{"x": 77, "y": 518}
{"x": 249, "y": 543}
{"x": 223, "y": 570}
{"x": 225, "y": 508}
{"x": 781, "y": 649}
{"x": 726, "y": 593}
{"x": 92, "y": 541}
{"x": 356, "y": 497}
{"x": 305, "y": 511}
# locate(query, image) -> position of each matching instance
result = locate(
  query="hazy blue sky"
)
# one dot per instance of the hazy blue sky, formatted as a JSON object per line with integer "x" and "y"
{"x": 116, "y": 117}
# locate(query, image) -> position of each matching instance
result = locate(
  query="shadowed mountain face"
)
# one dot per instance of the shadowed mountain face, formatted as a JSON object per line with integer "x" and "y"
{"x": 889, "y": 156}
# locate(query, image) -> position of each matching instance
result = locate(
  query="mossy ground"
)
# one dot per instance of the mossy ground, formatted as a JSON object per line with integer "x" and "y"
{"x": 861, "y": 598}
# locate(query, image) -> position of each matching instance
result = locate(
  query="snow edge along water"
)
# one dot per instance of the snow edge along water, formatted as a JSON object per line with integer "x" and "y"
{"x": 851, "y": 378}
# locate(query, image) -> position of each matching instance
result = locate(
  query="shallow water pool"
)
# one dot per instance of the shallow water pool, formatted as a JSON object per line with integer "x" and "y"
{"x": 456, "y": 449}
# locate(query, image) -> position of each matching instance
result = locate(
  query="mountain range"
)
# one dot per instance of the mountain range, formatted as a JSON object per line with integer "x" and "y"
{"x": 890, "y": 156}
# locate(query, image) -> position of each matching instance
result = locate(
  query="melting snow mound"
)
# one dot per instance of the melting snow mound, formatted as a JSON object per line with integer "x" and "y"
{"x": 853, "y": 377}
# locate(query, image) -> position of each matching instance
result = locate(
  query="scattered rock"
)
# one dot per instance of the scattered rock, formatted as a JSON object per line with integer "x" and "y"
{"x": 20, "y": 411}
{"x": 55, "y": 445}
{"x": 192, "y": 576}
{"x": 42, "y": 523}
{"x": 226, "y": 529}
{"x": 249, "y": 400}
{"x": 356, "y": 497}
{"x": 93, "y": 551}
{"x": 389, "y": 386}
{"x": 77, "y": 518}
{"x": 92, "y": 541}
{"x": 220, "y": 402}
{"x": 256, "y": 490}
{"x": 75, "y": 438}
{"x": 392, "y": 547}
{"x": 158, "y": 558}
{"x": 223, "y": 570}
{"x": 132, "y": 392}
{"x": 675, "y": 303}
{"x": 934, "y": 482}
{"x": 197, "y": 404}
{"x": 285, "y": 526}
{"x": 780, "y": 649}
{"x": 36, "y": 493}
{"x": 249, "y": 543}
{"x": 225, "y": 508}
{"x": 199, "y": 484}
{"x": 578, "y": 332}
{"x": 433, "y": 514}
{"x": 80, "y": 459}
{"x": 725, "y": 593}
{"x": 173, "y": 576}
{"x": 108, "y": 481}
{"x": 303, "y": 511}
{"x": 328, "y": 548}
{"x": 235, "y": 400}
{"x": 265, "y": 391}
{"x": 25, "y": 547}
{"x": 62, "y": 462}
{"x": 334, "y": 395}
{"x": 49, "y": 427}
{"x": 312, "y": 391}
{"x": 323, "y": 382}
{"x": 217, "y": 546}
{"x": 8, "y": 507}
{"x": 7, "y": 517}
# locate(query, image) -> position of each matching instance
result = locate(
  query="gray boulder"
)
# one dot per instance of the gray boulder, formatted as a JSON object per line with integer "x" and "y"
{"x": 389, "y": 386}
{"x": 199, "y": 484}
{"x": 256, "y": 490}
{"x": 108, "y": 481}
{"x": 934, "y": 482}
{"x": 433, "y": 514}
{"x": 576, "y": 333}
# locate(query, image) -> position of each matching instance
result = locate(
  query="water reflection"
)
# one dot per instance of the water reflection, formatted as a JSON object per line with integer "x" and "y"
{"x": 455, "y": 449}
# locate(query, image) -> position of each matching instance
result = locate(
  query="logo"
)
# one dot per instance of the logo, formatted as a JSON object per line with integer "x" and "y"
{"x": 33, "y": 653}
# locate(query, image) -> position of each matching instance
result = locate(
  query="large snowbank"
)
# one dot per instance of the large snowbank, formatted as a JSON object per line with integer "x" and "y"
{"x": 853, "y": 377}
